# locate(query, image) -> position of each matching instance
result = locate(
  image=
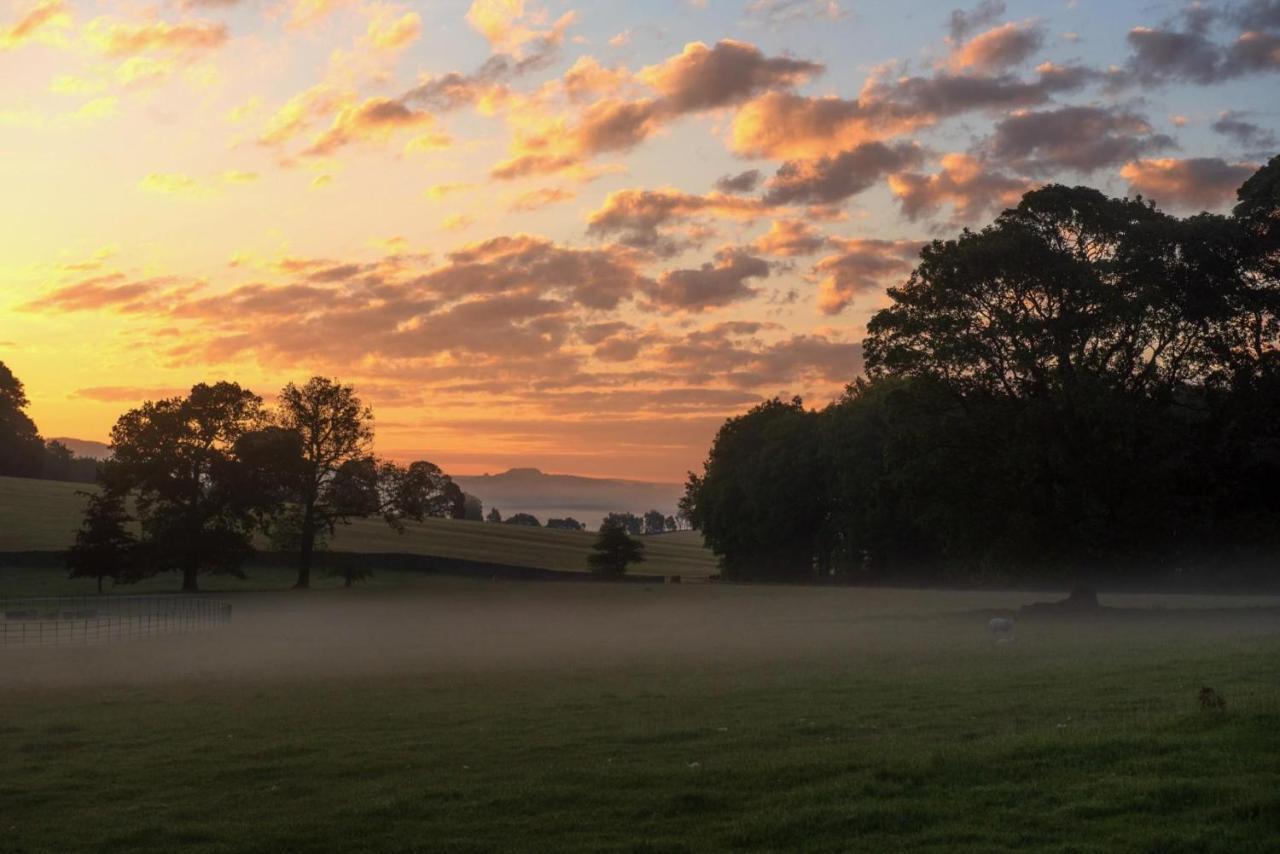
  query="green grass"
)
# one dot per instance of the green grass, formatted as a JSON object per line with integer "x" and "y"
{"x": 458, "y": 716}
{"x": 43, "y": 515}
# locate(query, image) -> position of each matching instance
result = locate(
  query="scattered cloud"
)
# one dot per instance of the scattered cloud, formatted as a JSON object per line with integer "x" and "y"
{"x": 1236, "y": 127}
{"x": 643, "y": 218}
{"x": 997, "y": 49}
{"x": 833, "y": 179}
{"x": 1192, "y": 183}
{"x": 1084, "y": 139}
{"x": 713, "y": 285}
{"x": 43, "y": 22}
{"x": 861, "y": 266}
{"x": 969, "y": 186}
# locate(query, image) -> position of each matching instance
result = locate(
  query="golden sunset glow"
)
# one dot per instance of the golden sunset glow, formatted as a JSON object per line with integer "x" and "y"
{"x": 535, "y": 233}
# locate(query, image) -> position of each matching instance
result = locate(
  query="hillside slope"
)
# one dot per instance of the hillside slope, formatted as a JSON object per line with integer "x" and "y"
{"x": 40, "y": 515}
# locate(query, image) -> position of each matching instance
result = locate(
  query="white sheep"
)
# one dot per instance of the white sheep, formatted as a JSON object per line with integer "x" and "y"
{"x": 1002, "y": 628}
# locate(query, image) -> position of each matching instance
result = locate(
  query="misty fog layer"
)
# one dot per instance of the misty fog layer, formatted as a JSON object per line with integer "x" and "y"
{"x": 454, "y": 626}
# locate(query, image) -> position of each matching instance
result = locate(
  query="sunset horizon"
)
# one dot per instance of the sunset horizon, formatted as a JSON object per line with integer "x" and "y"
{"x": 534, "y": 234}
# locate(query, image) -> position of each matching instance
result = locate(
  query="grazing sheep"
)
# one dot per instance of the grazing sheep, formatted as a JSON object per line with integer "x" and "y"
{"x": 1001, "y": 628}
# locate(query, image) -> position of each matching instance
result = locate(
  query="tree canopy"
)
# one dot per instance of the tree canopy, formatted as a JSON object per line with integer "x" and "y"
{"x": 1088, "y": 384}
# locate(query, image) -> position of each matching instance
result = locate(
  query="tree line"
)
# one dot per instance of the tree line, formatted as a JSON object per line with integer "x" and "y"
{"x": 652, "y": 522}
{"x": 1086, "y": 387}
{"x": 23, "y": 452}
{"x": 202, "y": 474}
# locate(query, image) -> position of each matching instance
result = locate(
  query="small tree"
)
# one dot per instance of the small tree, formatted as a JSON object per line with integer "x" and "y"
{"x": 472, "y": 508}
{"x": 494, "y": 516}
{"x": 567, "y": 524}
{"x": 614, "y": 551}
{"x": 104, "y": 548}
{"x": 524, "y": 519}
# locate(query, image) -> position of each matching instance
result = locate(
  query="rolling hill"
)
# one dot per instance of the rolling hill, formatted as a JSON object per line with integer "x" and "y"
{"x": 41, "y": 515}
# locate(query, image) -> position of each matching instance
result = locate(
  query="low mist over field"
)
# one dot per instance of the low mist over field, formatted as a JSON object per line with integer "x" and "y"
{"x": 441, "y": 626}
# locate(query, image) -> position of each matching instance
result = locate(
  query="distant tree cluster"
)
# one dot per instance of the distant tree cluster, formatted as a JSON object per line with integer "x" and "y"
{"x": 203, "y": 473}
{"x": 22, "y": 452}
{"x": 1088, "y": 386}
{"x": 652, "y": 522}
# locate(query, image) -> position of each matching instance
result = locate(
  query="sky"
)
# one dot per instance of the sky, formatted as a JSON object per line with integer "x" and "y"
{"x": 570, "y": 235}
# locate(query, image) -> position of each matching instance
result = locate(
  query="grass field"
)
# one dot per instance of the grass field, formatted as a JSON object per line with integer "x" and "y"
{"x": 447, "y": 715}
{"x": 43, "y": 515}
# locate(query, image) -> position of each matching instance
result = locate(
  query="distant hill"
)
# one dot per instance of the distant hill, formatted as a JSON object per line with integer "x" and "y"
{"x": 528, "y": 490}
{"x": 85, "y": 447}
{"x": 588, "y": 499}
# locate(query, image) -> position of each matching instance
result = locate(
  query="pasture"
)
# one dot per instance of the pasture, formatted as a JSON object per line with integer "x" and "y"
{"x": 42, "y": 516}
{"x": 451, "y": 715}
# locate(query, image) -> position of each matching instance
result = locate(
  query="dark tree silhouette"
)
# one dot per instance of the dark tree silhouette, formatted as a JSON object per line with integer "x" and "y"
{"x": 760, "y": 501}
{"x": 1086, "y": 387}
{"x": 21, "y": 448}
{"x": 176, "y": 457}
{"x": 60, "y": 463}
{"x": 654, "y": 522}
{"x": 629, "y": 522}
{"x": 568, "y": 524}
{"x": 526, "y": 519}
{"x": 104, "y": 546}
{"x": 494, "y": 515}
{"x": 334, "y": 430}
{"x": 613, "y": 551}
{"x": 473, "y": 509}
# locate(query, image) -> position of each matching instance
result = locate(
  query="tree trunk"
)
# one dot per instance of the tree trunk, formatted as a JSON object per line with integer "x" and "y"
{"x": 190, "y": 584}
{"x": 307, "y": 546}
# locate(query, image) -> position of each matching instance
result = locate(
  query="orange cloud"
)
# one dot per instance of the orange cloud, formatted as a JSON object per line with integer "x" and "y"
{"x": 300, "y": 112}
{"x": 713, "y": 285}
{"x": 115, "y": 292}
{"x": 1195, "y": 183}
{"x": 788, "y": 238}
{"x": 861, "y": 266}
{"x": 699, "y": 79}
{"x": 1006, "y": 45}
{"x": 640, "y": 217}
{"x": 543, "y": 197}
{"x": 375, "y": 119}
{"x": 587, "y": 79}
{"x": 123, "y": 39}
{"x": 40, "y": 23}
{"x": 782, "y": 125}
{"x": 965, "y": 183}
{"x": 393, "y": 33}
{"x": 703, "y": 78}
{"x": 507, "y": 27}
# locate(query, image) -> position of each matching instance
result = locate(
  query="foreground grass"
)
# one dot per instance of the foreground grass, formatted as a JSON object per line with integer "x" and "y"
{"x": 890, "y": 732}
{"x": 41, "y": 515}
